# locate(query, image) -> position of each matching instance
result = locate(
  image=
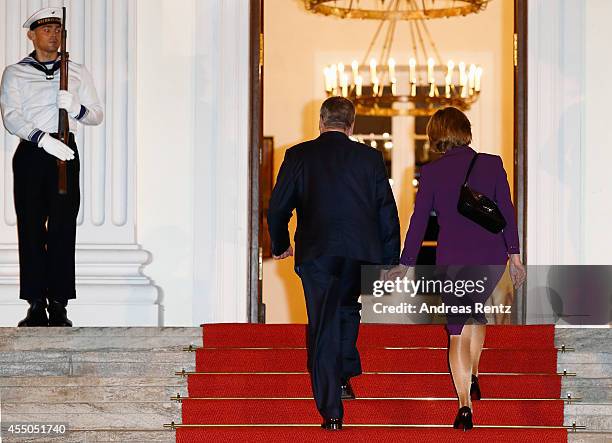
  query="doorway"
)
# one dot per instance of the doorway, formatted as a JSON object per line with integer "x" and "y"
{"x": 270, "y": 283}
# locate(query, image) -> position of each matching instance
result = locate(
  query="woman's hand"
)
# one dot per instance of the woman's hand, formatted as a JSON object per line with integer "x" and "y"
{"x": 517, "y": 270}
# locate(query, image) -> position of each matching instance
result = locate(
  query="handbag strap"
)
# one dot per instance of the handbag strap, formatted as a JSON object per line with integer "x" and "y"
{"x": 467, "y": 175}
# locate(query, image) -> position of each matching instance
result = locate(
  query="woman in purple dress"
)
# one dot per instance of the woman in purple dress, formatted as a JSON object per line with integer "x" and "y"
{"x": 462, "y": 244}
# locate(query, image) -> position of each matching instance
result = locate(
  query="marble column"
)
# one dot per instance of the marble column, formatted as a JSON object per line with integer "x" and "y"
{"x": 221, "y": 109}
{"x": 556, "y": 149}
{"x": 111, "y": 287}
{"x": 555, "y": 146}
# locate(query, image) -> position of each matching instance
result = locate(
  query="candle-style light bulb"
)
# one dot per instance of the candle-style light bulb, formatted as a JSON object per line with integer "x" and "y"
{"x": 344, "y": 83}
{"x": 373, "y": 69}
{"x": 358, "y": 85}
{"x": 334, "y": 78}
{"x": 472, "y": 78}
{"x": 478, "y": 78}
{"x": 451, "y": 67}
{"x": 393, "y": 86}
{"x": 391, "y": 64}
{"x": 430, "y": 70}
{"x": 447, "y": 86}
{"x": 412, "y": 64}
{"x": 355, "y": 67}
{"x": 462, "y": 76}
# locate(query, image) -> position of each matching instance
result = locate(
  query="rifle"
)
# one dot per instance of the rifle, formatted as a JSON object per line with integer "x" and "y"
{"x": 63, "y": 125}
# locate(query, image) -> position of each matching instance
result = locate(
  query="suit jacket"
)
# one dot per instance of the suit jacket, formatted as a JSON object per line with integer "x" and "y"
{"x": 460, "y": 240}
{"x": 343, "y": 200}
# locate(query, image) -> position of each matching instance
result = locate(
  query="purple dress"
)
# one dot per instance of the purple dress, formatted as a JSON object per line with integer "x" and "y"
{"x": 460, "y": 240}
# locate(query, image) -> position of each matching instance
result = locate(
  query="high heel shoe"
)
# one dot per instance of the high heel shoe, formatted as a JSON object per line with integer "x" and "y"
{"x": 475, "y": 389}
{"x": 464, "y": 419}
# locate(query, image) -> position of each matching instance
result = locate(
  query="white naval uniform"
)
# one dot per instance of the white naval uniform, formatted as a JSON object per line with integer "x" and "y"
{"x": 29, "y": 100}
{"x": 46, "y": 220}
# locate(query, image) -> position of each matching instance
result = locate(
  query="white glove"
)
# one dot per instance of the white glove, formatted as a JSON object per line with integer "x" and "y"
{"x": 65, "y": 100}
{"x": 56, "y": 148}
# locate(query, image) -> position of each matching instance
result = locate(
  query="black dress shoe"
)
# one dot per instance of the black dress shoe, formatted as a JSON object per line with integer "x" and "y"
{"x": 464, "y": 419}
{"x": 57, "y": 314}
{"x": 332, "y": 424}
{"x": 475, "y": 389}
{"x": 347, "y": 391}
{"x": 36, "y": 316}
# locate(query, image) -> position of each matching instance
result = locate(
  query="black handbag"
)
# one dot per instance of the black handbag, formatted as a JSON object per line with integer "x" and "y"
{"x": 478, "y": 207}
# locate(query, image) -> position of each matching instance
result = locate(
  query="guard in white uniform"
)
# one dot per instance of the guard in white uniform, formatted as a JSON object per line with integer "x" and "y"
{"x": 30, "y": 100}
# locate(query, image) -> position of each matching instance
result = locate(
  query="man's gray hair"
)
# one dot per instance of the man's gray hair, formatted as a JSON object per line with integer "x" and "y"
{"x": 338, "y": 112}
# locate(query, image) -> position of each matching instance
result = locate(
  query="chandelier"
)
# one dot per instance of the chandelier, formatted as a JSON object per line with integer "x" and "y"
{"x": 384, "y": 88}
{"x": 407, "y": 9}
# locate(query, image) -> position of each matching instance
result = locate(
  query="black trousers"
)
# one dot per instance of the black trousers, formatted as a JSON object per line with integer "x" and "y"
{"x": 332, "y": 288}
{"x": 46, "y": 223}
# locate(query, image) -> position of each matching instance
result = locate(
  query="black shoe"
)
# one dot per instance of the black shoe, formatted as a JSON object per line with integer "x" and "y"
{"x": 36, "y": 316}
{"x": 347, "y": 391}
{"x": 464, "y": 419}
{"x": 475, "y": 389}
{"x": 57, "y": 314}
{"x": 332, "y": 424}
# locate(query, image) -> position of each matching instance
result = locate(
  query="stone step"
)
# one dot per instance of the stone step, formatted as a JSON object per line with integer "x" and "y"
{"x": 585, "y": 357}
{"x": 587, "y": 370}
{"x": 100, "y": 339}
{"x": 589, "y": 437}
{"x": 94, "y": 369}
{"x": 592, "y": 363}
{"x": 584, "y": 339}
{"x": 149, "y": 415}
{"x": 596, "y": 417}
{"x": 102, "y": 357}
{"x": 95, "y": 363}
{"x": 591, "y": 390}
{"x": 66, "y": 381}
{"x": 87, "y": 436}
{"x": 59, "y": 394}
{"x": 90, "y": 331}
{"x": 95, "y": 344}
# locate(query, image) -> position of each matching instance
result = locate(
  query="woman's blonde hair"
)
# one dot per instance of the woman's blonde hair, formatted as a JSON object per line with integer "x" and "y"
{"x": 448, "y": 127}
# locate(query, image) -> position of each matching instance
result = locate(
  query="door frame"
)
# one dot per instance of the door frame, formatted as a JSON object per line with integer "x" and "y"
{"x": 520, "y": 139}
{"x": 255, "y": 305}
{"x": 256, "y": 312}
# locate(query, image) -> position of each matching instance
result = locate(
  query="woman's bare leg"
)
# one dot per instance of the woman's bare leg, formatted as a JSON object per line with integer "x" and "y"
{"x": 476, "y": 344}
{"x": 460, "y": 364}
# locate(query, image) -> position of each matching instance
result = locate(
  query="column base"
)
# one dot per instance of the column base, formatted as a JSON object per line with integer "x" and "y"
{"x": 111, "y": 289}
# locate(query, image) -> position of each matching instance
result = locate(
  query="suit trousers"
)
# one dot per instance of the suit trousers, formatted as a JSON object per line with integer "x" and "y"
{"x": 332, "y": 288}
{"x": 46, "y": 223}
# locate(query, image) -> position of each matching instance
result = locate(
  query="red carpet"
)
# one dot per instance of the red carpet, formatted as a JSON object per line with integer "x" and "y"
{"x": 373, "y": 360}
{"x": 227, "y": 335}
{"x": 263, "y": 395}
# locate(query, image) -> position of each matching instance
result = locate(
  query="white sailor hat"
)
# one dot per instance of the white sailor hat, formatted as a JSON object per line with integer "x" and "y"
{"x": 44, "y": 16}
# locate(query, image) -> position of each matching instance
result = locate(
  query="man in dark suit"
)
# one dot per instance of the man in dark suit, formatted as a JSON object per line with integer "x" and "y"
{"x": 346, "y": 217}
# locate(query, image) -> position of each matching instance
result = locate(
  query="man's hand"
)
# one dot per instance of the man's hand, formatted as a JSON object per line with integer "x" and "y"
{"x": 399, "y": 271}
{"x": 65, "y": 100}
{"x": 56, "y": 148}
{"x": 517, "y": 270}
{"x": 287, "y": 253}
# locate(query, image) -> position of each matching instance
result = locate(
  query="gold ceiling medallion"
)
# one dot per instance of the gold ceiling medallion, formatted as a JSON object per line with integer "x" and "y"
{"x": 382, "y": 87}
{"x": 407, "y": 10}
